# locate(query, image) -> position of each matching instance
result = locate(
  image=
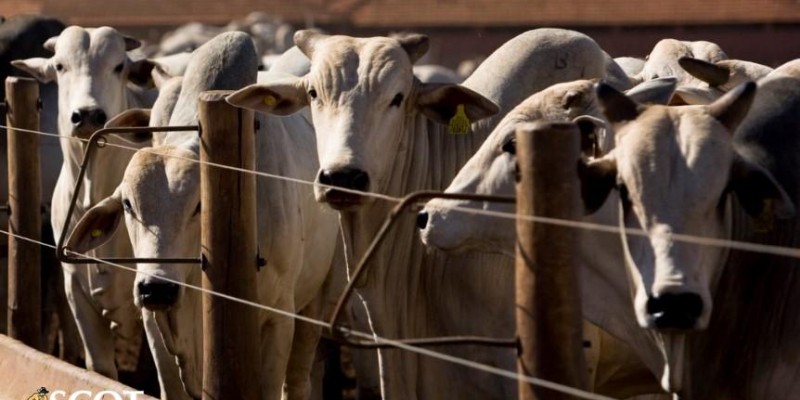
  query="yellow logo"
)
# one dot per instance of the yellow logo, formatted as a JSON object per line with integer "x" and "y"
{"x": 40, "y": 394}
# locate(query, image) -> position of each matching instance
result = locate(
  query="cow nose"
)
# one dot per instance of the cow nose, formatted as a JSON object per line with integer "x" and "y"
{"x": 422, "y": 219}
{"x": 158, "y": 296}
{"x": 88, "y": 116}
{"x": 348, "y": 178}
{"x": 675, "y": 310}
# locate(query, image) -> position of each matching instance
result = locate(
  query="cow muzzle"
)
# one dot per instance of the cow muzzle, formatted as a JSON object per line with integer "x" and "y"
{"x": 674, "y": 311}
{"x": 345, "y": 178}
{"x": 158, "y": 296}
{"x": 87, "y": 120}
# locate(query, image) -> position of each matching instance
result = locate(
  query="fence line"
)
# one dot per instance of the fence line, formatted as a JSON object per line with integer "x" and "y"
{"x": 422, "y": 351}
{"x": 590, "y": 226}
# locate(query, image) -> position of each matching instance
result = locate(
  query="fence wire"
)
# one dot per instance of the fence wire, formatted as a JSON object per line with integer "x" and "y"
{"x": 377, "y": 339}
{"x": 583, "y": 225}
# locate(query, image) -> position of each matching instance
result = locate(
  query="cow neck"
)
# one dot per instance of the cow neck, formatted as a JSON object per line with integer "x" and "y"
{"x": 416, "y": 292}
{"x": 754, "y": 319}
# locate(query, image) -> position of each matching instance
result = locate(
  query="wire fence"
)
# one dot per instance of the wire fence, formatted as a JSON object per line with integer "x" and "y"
{"x": 707, "y": 241}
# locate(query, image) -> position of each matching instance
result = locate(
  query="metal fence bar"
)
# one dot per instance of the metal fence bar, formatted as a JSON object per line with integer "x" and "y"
{"x": 98, "y": 140}
{"x": 338, "y": 330}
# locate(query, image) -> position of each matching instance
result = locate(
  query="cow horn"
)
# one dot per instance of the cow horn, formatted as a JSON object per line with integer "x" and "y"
{"x": 306, "y": 40}
{"x": 731, "y": 108}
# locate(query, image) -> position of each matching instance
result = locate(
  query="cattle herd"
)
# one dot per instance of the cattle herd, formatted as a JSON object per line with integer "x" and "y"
{"x": 685, "y": 143}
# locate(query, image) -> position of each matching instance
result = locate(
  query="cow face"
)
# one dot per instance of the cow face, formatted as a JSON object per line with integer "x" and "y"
{"x": 159, "y": 200}
{"x": 361, "y": 93}
{"x": 492, "y": 170}
{"x": 673, "y": 168}
{"x": 91, "y": 68}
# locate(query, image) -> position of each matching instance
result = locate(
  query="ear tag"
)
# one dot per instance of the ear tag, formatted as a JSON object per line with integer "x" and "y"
{"x": 96, "y": 233}
{"x": 270, "y": 100}
{"x": 459, "y": 124}
{"x": 765, "y": 221}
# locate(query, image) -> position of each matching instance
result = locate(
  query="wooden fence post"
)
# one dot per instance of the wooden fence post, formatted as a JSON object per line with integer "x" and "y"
{"x": 25, "y": 199}
{"x": 231, "y": 353}
{"x": 549, "y": 318}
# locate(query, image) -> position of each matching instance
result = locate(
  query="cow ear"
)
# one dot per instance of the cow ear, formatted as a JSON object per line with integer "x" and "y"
{"x": 415, "y": 44}
{"x": 97, "y": 226}
{"x": 654, "y": 91}
{"x": 280, "y": 97}
{"x": 306, "y": 40}
{"x": 131, "y": 43}
{"x": 597, "y": 178}
{"x": 40, "y": 68}
{"x": 135, "y": 118}
{"x": 140, "y": 72}
{"x": 713, "y": 74}
{"x": 731, "y": 108}
{"x": 593, "y": 132}
{"x": 756, "y": 187}
{"x": 441, "y": 101}
{"x": 50, "y": 44}
{"x": 615, "y": 105}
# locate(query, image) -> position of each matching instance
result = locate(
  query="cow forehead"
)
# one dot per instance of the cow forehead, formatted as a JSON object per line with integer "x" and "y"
{"x": 98, "y": 41}
{"x": 342, "y": 63}
{"x": 674, "y": 155}
{"x": 166, "y": 170}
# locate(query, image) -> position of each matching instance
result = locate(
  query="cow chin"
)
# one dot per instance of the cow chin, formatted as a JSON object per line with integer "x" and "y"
{"x": 85, "y": 131}
{"x": 341, "y": 201}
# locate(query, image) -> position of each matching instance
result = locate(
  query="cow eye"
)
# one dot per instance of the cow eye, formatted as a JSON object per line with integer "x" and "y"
{"x": 397, "y": 100}
{"x": 510, "y": 147}
{"x": 196, "y": 210}
{"x": 118, "y": 68}
{"x": 59, "y": 67}
{"x": 126, "y": 205}
{"x": 312, "y": 93}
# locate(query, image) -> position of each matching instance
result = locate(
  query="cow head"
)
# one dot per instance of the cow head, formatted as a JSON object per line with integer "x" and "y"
{"x": 361, "y": 92}
{"x": 492, "y": 170}
{"x": 673, "y": 168}
{"x": 91, "y": 68}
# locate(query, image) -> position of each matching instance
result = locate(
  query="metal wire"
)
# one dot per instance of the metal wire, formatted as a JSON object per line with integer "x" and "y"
{"x": 368, "y": 336}
{"x": 700, "y": 240}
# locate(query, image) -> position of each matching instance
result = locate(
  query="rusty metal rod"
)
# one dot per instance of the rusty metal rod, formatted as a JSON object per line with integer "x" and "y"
{"x": 338, "y": 330}
{"x": 63, "y": 253}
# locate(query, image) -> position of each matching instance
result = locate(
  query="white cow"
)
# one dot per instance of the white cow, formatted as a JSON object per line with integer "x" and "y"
{"x": 376, "y": 131}
{"x": 159, "y": 197}
{"x": 662, "y": 61}
{"x": 616, "y": 371}
{"x": 91, "y": 69}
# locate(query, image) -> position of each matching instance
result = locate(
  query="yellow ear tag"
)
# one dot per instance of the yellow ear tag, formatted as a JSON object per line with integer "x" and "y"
{"x": 765, "y": 221}
{"x": 270, "y": 100}
{"x": 459, "y": 124}
{"x": 96, "y": 233}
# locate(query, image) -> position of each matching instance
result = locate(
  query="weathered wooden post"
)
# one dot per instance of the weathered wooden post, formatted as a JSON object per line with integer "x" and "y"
{"x": 229, "y": 250}
{"x": 24, "y": 192}
{"x": 549, "y": 319}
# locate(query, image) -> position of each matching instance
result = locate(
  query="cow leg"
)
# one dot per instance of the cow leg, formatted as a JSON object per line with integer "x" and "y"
{"x": 276, "y": 345}
{"x": 93, "y": 328}
{"x": 301, "y": 361}
{"x": 169, "y": 378}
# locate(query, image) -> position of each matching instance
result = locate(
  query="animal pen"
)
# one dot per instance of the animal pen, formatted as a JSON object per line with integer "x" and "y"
{"x": 548, "y": 343}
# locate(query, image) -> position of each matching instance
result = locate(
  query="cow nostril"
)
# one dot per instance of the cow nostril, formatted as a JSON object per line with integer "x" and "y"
{"x": 422, "y": 219}
{"x": 325, "y": 177}
{"x": 675, "y": 310}
{"x": 100, "y": 117}
{"x": 158, "y": 295}
{"x": 360, "y": 180}
{"x": 75, "y": 118}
